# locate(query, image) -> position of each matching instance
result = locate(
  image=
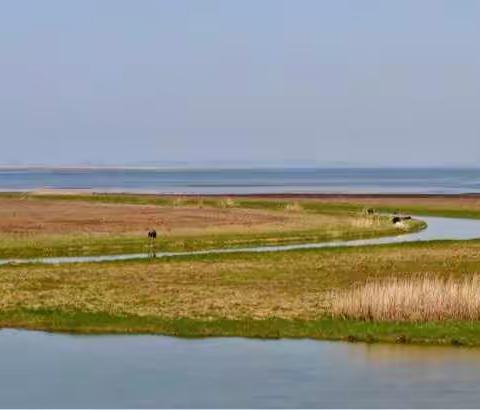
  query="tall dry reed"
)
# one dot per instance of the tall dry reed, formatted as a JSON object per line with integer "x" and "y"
{"x": 294, "y": 207}
{"x": 424, "y": 298}
{"x": 368, "y": 221}
{"x": 227, "y": 203}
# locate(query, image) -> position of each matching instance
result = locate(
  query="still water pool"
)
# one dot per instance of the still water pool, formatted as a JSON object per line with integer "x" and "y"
{"x": 56, "y": 370}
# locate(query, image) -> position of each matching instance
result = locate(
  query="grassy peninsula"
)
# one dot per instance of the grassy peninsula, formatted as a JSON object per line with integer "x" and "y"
{"x": 271, "y": 295}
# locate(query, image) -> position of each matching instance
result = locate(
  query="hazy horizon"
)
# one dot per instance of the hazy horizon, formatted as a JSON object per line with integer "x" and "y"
{"x": 305, "y": 83}
{"x": 214, "y": 164}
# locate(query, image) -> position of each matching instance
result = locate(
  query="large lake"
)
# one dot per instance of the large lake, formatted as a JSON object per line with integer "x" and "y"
{"x": 56, "y": 370}
{"x": 248, "y": 180}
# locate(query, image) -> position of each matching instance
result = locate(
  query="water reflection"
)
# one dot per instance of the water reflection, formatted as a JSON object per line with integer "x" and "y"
{"x": 428, "y": 355}
{"x": 52, "y": 370}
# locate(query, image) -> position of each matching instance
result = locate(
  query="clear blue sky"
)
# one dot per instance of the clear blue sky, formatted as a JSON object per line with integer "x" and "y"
{"x": 120, "y": 82}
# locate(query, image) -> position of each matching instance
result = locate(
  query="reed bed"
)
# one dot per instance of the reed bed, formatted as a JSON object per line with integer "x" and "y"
{"x": 425, "y": 298}
{"x": 369, "y": 221}
{"x": 294, "y": 207}
{"x": 228, "y": 203}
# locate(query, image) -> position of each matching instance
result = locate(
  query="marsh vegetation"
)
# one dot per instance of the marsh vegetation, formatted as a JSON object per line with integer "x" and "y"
{"x": 414, "y": 299}
{"x": 49, "y": 225}
{"x": 413, "y": 292}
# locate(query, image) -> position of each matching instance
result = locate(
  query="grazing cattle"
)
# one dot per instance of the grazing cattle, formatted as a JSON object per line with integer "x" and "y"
{"x": 370, "y": 211}
{"x": 152, "y": 234}
{"x": 397, "y": 219}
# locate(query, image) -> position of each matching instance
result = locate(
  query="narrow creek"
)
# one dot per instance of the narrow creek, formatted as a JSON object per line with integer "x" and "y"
{"x": 437, "y": 228}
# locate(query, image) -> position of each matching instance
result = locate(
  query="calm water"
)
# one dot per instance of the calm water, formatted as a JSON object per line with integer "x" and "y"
{"x": 52, "y": 370}
{"x": 249, "y": 180}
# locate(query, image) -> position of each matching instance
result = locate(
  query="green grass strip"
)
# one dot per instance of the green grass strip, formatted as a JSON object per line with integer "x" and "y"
{"x": 441, "y": 333}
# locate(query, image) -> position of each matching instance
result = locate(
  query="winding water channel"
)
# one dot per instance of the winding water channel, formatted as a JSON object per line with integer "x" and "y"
{"x": 39, "y": 369}
{"x": 437, "y": 228}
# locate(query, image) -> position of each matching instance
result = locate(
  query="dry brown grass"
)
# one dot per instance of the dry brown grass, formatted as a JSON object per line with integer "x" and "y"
{"x": 465, "y": 203}
{"x": 26, "y": 216}
{"x": 368, "y": 221}
{"x": 197, "y": 289}
{"x": 426, "y": 298}
{"x": 289, "y": 285}
{"x": 34, "y": 219}
{"x": 228, "y": 203}
{"x": 294, "y": 207}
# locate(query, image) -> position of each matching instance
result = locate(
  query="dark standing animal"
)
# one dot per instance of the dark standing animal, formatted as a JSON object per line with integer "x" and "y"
{"x": 396, "y": 219}
{"x": 152, "y": 234}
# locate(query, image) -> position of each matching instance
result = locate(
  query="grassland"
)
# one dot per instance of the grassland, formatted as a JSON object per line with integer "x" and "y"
{"x": 55, "y": 225}
{"x": 258, "y": 295}
{"x": 271, "y": 295}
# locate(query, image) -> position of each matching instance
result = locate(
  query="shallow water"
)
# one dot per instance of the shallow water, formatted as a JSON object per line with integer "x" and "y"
{"x": 57, "y": 370}
{"x": 241, "y": 181}
{"x": 437, "y": 228}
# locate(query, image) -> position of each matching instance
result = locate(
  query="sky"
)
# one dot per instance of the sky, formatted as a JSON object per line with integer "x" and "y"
{"x": 324, "y": 82}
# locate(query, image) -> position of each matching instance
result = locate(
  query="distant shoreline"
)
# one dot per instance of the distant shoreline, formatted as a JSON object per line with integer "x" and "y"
{"x": 277, "y": 195}
{"x": 243, "y": 181}
{"x": 245, "y": 167}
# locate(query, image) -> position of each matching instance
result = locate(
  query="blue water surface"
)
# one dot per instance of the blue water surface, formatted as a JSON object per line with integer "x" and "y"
{"x": 313, "y": 180}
